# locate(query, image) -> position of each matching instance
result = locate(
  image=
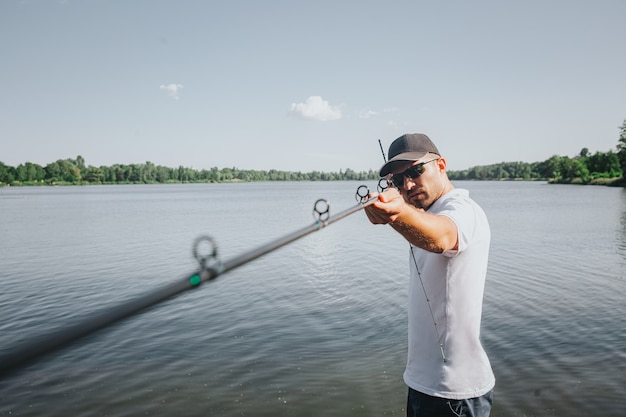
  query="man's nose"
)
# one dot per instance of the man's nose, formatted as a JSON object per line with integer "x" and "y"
{"x": 409, "y": 182}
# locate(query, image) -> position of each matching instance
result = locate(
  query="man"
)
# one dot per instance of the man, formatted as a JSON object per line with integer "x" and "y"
{"x": 447, "y": 371}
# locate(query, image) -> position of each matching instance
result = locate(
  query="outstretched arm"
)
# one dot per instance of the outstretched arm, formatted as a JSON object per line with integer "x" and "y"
{"x": 431, "y": 232}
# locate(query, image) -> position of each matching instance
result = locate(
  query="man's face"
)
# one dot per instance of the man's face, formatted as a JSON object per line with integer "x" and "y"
{"x": 424, "y": 189}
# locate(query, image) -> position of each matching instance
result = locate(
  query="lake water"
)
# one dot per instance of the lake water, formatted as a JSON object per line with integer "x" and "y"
{"x": 316, "y": 328}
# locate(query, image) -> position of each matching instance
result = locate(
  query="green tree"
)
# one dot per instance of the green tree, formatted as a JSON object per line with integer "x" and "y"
{"x": 604, "y": 165}
{"x": 149, "y": 173}
{"x": 550, "y": 168}
{"x": 80, "y": 163}
{"x": 93, "y": 175}
{"x": 576, "y": 168}
{"x": 7, "y": 174}
{"x": 621, "y": 148}
{"x": 163, "y": 174}
{"x": 63, "y": 171}
{"x": 30, "y": 172}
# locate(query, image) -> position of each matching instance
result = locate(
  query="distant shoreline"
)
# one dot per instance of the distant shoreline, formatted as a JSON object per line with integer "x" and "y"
{"x": 600, "y": 168}
{"x": 610, "y": 182}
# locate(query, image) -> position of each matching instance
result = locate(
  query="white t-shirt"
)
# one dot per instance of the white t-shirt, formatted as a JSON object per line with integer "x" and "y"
{"x": 454, "y": 283}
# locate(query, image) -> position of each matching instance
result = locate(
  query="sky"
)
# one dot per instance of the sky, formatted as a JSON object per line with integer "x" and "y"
{"x": 308, "y": 85}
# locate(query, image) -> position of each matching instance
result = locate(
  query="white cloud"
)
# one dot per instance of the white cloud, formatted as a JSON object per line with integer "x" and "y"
{"x": 316, "y": 108}
{"x": 366, "y": 114}
{"x": 172, "y": 89}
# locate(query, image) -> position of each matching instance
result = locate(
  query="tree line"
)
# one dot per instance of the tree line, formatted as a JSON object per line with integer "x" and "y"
{"x": 585, "y": 168}
{"x": 75, "y": 172}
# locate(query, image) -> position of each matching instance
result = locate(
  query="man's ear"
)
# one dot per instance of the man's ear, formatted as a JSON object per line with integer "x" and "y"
{"x": 442, "y": 163}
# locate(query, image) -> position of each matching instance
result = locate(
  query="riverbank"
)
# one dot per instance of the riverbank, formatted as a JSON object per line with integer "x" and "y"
{"x": 610, "y": 182}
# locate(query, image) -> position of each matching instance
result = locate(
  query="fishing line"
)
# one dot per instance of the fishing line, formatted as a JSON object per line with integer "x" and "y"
{"x": 430, "y": 308}
{"x": 419, "y": 274}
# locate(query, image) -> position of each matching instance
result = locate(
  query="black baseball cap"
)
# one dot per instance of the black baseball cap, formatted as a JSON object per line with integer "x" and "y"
{"x": 409, "y": 147}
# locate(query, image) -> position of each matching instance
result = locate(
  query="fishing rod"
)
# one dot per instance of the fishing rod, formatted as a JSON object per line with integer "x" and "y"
{"x": 210, "y": 267}
{"x": 382, "y": 150}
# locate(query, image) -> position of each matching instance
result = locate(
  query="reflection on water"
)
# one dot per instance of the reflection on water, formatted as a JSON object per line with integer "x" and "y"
{"x": 620, "y": 239}
{"x": 315, "y": 328}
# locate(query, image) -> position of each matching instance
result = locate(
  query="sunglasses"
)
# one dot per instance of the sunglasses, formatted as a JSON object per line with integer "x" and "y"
{"x": 397, "y": 180}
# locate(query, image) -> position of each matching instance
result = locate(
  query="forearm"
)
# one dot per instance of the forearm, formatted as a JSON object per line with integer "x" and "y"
{"x": 430, "y": 232}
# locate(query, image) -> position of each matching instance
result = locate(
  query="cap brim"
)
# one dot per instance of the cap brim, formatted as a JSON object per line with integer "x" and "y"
{"x": 403, "y": 157}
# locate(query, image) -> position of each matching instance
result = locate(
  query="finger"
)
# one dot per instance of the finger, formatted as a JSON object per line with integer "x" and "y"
{"x": 375, "y": 216}
{"x": 388, "y": 195}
